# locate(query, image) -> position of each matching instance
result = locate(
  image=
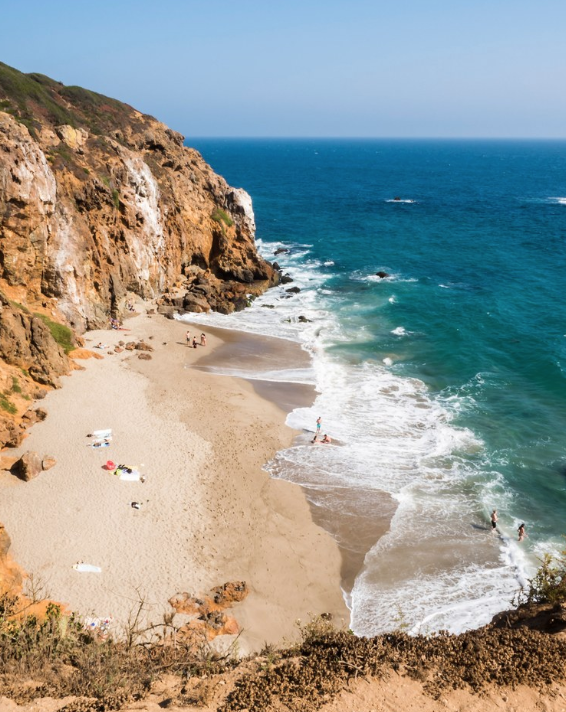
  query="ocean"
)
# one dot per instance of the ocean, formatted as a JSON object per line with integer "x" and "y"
{"x": 442, "y": 384}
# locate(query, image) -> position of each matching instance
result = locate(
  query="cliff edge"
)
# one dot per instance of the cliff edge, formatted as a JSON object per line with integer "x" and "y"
{"x": 98, "y": 200}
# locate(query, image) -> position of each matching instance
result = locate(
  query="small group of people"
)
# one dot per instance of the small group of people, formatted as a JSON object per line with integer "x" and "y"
{"x": 193, "y": 343}
{"x": 326, "y": 440}
{"x": 520, "y": 531}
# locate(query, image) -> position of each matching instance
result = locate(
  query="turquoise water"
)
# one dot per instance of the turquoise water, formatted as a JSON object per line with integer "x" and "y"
{"x": 444, "y": 383}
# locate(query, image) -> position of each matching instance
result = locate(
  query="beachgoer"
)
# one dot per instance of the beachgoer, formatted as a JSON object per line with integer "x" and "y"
{"x": 314, "y": 441}
{"x": 326, "y": 439}
{"x": 194, "y": 342}
{"x": 188, "y": 337}
{"x": 136, "y": 505}
{"x": 114, "y": 323}
{"x": 203, "y": 339}
{"x": 318, "y": 425}
{"x": 494, "y": 519}
{"x": 521, "y": 532}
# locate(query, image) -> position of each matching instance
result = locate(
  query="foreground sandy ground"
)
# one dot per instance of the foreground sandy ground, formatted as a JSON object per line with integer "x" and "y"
{"x": 210, "y": 514}
{"x": 394, "y": 694}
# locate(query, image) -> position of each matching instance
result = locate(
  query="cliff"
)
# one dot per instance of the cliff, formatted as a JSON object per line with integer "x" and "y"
{"x": 98, "y": 200}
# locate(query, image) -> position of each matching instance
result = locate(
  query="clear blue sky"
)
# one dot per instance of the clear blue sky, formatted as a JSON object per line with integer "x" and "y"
{"x": 439, "y": 68}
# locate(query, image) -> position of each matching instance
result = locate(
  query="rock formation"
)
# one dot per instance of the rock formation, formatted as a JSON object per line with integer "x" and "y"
{"x": 98, "y": 200}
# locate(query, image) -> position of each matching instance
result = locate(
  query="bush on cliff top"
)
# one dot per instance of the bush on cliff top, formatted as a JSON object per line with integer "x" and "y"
{"x": 34, "y": 98}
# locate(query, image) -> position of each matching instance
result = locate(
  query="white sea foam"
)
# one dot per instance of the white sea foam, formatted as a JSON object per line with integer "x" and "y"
{"x": 399, "y": 331}
{"x": 439, "y": 553}
{"x": 392, "y": 300}
{"x": 395, "y": 200}
{"x": 560, "y": 201}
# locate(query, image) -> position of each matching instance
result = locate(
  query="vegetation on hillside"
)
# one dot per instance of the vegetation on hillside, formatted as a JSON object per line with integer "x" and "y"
{"x": 34, "y": 99}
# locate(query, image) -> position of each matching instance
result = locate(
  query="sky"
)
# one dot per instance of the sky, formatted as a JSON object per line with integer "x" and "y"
{"x": 308, "y": 68}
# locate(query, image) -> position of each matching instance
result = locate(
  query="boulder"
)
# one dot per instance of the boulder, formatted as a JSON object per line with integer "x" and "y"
{"x": 303, "y": 320}
{"x": 144, "y": 356}
{"x": 28, "y": 466}
{"x": 293, "y": 290}
{"x": 281, "y": 251}
{"x": 48, "y": 462}
{"x": 195, "y": 303}
{"x": 382, "y": 274}
{"x": 142, "y": 346}
{"x": 286, "y": 278}
{"x": 130, "y": 346}
{"x": 11, "y": 434}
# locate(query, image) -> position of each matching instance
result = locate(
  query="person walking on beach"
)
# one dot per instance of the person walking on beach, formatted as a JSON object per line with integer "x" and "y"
{"x": 188, "y": 337}
{"x": 521, "y": 532}
{"x": 318, "y": 425}
{"x": 194, "y": 342}
{"x": 494, "y": 520}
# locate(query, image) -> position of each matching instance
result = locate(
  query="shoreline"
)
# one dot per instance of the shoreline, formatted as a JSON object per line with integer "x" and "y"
{"x": 213, "y": 514}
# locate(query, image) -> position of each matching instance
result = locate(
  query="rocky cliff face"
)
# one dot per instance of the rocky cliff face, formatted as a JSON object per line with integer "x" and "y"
{"x": 98, "y": 200}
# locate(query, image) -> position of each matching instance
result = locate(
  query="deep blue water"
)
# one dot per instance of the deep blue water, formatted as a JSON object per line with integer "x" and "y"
{"x": 469, "y": 332}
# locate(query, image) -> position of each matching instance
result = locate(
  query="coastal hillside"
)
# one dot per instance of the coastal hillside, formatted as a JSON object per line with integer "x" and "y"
{"x": 98, "y": 200}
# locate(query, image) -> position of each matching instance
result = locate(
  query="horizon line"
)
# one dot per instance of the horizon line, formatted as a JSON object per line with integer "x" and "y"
{"x": 383, "y": 138}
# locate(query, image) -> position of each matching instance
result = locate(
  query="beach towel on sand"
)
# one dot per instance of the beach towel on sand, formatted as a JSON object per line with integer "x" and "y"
{"x": 101, "y": 434}
{"x": 131, "y": 476}
{"x": 87, "y": 568}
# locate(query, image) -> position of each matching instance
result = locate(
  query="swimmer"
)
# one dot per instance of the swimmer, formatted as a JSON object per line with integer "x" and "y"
{"x": 521, "y": 532}
{"x": 494, "y": 519}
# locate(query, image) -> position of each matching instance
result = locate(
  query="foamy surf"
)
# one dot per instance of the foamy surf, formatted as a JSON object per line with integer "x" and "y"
{"x": 393, "y": 438}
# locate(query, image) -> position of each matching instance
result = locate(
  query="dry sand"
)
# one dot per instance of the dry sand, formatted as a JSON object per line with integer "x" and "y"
{"x": 210, "y": 513}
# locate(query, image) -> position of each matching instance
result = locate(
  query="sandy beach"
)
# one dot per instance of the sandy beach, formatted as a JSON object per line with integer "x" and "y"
{"x": 210, "y": 513}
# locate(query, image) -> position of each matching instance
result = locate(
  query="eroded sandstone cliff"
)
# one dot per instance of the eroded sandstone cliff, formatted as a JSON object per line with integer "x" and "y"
{"x": 97, "y": 200}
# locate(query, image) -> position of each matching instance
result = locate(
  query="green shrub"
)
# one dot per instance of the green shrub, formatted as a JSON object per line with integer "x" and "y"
{"x": 548, "y": 585}
{"x": 116, "y": 198}
{"x": 16, "y": 388}
{"x": 221, "y": 216}
{"x": 7, "y": 405}
{"x": 61, "y": 333}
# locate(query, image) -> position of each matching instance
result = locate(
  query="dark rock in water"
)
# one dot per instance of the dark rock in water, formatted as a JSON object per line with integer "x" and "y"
{"x": 268, "y": 306}
{"x": 281, "y": 251}
{"x": 286, "y": 278}
{"x": 276, "y": 267}
{"x": 383, "y": 275}
{"x": 28, "y": 466}
{"x": 397, "y": 198}
{"x": 293, "y": 290}
{"x": 304, "y": 320}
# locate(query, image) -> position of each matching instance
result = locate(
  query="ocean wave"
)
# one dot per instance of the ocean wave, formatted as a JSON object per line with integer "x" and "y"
{"x": 394, "y": 438}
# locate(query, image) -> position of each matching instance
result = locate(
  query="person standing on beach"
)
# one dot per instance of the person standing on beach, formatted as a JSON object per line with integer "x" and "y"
{"x": 194, "y": 342}
{"x": 521, "y": 532}
{"x": 203, "y": 339}
{"x": 494, "y": 520}
{"x": 318, "y": 425}
{"x": 188, "y": 337}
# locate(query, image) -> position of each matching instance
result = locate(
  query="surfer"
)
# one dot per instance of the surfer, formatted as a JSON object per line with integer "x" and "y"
{"x": 494, "y": 519}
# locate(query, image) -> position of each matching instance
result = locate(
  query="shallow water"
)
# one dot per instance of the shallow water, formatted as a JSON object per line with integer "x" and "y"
{"x": 444, "y": 383}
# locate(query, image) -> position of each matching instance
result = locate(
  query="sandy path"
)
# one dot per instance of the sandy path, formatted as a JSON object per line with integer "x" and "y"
{"x": 210, "y": 513}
